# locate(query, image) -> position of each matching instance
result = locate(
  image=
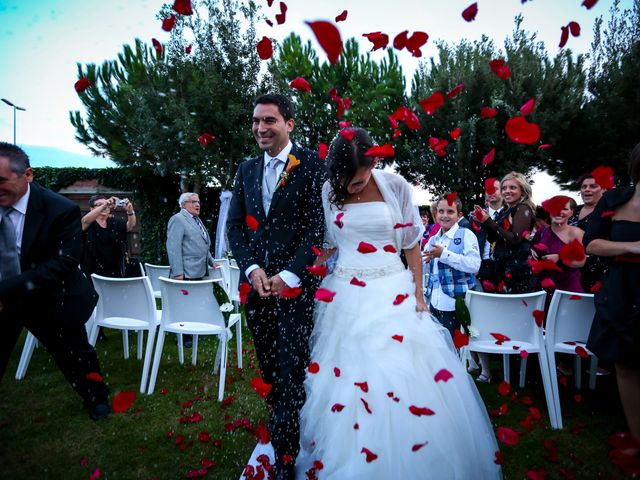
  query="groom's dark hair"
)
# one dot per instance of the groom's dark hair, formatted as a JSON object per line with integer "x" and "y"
{"x": 285, "y": 107}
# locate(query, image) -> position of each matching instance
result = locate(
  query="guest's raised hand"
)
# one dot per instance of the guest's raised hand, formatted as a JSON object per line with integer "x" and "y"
{"x": 260, "y": 282}
{"x": 277, "y": 285}
{"x": 480, "y": 214}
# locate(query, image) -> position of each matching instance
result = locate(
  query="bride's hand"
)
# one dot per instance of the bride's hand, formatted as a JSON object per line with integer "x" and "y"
{"x": 421, "y": 305}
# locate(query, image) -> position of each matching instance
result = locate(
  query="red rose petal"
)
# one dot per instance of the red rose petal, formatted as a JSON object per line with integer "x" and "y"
{"x": 547, "y": 283}
{"x": 455, "y": 91}
{"x": 301, "y": 84}
{"x": 604, "y": 177}
{"x": 490, "y": 185}
{"x": 183, "y": 7}
{"x": 95, "y": 376}
{"x": 364, "y": 386}
{"x": 520, "y": 131}
{"x": 317, "y": 270}
{"x": 528, "y": 107}
{"x": 265, "y": 48}
{"x": 168, "y": 23}
{"x": 581, "y": 352}
{"x": 323, "y": 151}
{"x": 316, "y": 251}
{"x": 366, "y": 405}
{"x": 282, "y": 16}
{"x": 419, "y": 411}
{"x": 324, "y": 295}
{"x": 398, "y": 338}
{"x": 390, "y": 249}
{"x": 251, "y": 222}
{"x": 157, "y": 45}
{"x": 574, "y": 29}
{"x": 451, "y": 198}
{"x": 205, "y": 139}
{"x": 538, "y": 316}
{"x": 357, "y": 283}
{"x": 379, "y": 40}
{"x": 500, "y": 338}
{"x": 469, "y": 13}
{"x": 572, "y": 252}
{"x": 588, "y": 4}
{"x": 500, "y": 68}
{"x": 82, "y": 84}
{"x": 415, "y": 41}
{"x": 400, "y": 298}
{"x": 337, "y": 407}
{"x": 596, "y": 287}
{"x": 381, "y": 151}
{"x": 342, "y": 17}
{"x": 443, "y": 375}
{"x": 338, "y": 220}
{"x": 455, "y": 134}
{"x": 507, "y": 436}
{"x": 292, "y": 292}
{"x": 260, "y": 387}
{"x": 504, "y": 388}
{"x": 418, "y": 446}
{"x": 123, "y": 401}
{"x": 328, "y": 37}
{"x": 488, "y": 112}
{"x": 370, "y": 456}
{"x": 313, "y": 367}
{"x": 489, "y": 157}
{"x": 364, "y": 247}
{"x": 460, "y": 339}
{"x": 336, "y": 371}
{"x": 244, "y": 289}
{"x": 431, "y": 104}
{"x": 403, "y": 225}
{"x": 347, "y": 134}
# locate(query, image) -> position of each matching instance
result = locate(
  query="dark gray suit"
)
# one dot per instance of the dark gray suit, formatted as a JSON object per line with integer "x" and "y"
{"x": 188, "y": 246}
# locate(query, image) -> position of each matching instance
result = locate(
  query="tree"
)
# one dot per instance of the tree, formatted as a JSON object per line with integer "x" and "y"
{"x": 147, "y": 109}
{"x": 608, "y": 124}
{"x": 555, "y": 85}
{"x": 374, "y": 89}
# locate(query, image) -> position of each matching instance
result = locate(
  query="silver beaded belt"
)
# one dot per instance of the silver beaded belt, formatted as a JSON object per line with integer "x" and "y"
{"x": 368, "y": 273}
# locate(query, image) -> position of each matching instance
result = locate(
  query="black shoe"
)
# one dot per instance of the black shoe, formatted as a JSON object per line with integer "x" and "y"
{"x": 99, "y": 411}
{"x": 187, "y": 341}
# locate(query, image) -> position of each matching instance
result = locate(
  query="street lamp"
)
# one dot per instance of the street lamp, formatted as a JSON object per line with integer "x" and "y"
{"x": 15, "y": 107}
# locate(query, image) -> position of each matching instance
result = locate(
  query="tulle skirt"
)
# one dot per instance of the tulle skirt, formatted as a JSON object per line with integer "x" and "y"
{"x": 389, "y": 398}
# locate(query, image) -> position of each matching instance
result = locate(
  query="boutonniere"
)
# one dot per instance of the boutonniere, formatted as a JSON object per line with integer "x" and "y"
{"x": 291, "y": 166}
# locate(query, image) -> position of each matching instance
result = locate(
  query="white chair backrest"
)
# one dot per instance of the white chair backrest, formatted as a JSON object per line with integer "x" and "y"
{"x": 570, "y": 317}
{"x": 234, "y": 283}
{"x": 190, "y": 301}
{"x": 125, "y": 297}
{"x": 154, "y": 272}
{"x": 510, "y": 315}
{"x": 222, "y": 272}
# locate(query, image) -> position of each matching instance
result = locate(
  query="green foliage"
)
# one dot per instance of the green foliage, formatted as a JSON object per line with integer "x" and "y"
{"x": 147, "y": 110}
{"x": 557, "y": 86}
{"x": 608, "y": 124}
{"x": 375, "y": 89}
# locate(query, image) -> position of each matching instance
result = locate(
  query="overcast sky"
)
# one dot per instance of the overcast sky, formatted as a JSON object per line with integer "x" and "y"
{"x": 42, "y": 40}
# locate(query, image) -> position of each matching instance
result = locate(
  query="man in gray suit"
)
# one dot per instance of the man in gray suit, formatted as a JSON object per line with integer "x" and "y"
{"x": 188, "y": 242}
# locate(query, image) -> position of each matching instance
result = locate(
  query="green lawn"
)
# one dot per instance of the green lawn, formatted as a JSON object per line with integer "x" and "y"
{"x": 45, "y": 433}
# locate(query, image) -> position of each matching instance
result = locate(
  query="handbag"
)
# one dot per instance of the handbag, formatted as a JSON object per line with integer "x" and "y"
{"x": 131, "y": 266}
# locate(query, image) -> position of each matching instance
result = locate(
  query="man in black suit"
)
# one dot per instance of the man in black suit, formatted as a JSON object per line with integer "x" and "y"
{"x": 41, "y": 285}
{"x": 274, "y": 219}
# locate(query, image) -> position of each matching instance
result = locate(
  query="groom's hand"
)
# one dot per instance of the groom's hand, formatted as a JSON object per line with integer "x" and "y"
{"x": 260, "y": 282}
{"x": 277, "y": 284}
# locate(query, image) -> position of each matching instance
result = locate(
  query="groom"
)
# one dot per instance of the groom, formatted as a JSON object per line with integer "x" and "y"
{"x": 281, "y": 192}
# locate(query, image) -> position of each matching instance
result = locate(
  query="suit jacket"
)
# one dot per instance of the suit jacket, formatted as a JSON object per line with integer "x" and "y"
{"x": 51, "y": 286}
{"x": 294, "y": 223}
{"x": 187, "y": 247}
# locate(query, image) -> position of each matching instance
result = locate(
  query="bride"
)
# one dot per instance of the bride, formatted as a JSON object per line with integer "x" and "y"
{"x": 387, "y": 397}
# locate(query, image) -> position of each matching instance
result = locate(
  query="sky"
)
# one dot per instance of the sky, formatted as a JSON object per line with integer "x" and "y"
{"x": 41, "y": 41}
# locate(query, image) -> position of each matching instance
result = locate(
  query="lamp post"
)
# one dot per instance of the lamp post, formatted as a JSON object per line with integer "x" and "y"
{"x": 15, "y": 107}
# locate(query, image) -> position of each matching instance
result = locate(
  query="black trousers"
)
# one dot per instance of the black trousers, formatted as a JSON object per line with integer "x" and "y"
{"x": 69, "y": 347}
{"x": 281, "y": 329}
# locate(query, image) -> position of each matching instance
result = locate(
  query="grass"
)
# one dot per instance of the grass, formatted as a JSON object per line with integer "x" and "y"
{"x": 46, "y": 434}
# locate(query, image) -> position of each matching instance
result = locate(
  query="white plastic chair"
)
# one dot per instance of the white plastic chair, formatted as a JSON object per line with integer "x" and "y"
{"x": 234, "y": 296}
{"x": 511, "y": 316}
{"x": 569, "y": 320}
{"x": 127, "y": 304}
{"x": 190, "y": 307}
{"x": 154, "y": 272}
{"x": 222, "y": 272}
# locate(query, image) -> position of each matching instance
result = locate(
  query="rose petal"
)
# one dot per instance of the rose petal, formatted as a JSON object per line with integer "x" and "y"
{"x": 520, "y": 131}
{"x": 370, "y": 456}
{"x": 489, "y": 157}
{"x": 251, "y": 222}
{"x": 443, "y": 375}
{"x": 342, "y": 17}
{"x": 324, "y": 295}
{"x": 265, "y": 48}
{"x": 328, "y": 37}
{"x": 123, "y": 401}
{"x": 604, "y": 177}
{"x": 301, "y": 84}
{"x": 469, "y": 13}
{"x": 357, "y": 283}
{"x": 381, "y": 151}
{"x": 205, "y": 139}
{"x": 292, "y": 292}
{"x": 82, "y": 84}
{"x": 528, "y": 107}
{"x": 400, "y": 298}
{"x": 323, "y": 151}
{"x": 379, "y": 40}
{"x": 183, "y": 7}
{"x": 364, "y": 247}
{"x": 313, "y": 367}
{"x": 168, "y": 23}
{"x": 419, "y": 411}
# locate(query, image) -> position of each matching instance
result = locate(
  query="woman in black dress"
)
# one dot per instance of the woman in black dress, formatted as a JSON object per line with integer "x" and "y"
{"x": 614, "y": 232}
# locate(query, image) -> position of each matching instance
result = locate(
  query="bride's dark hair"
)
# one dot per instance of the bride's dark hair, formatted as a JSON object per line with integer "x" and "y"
{"x": 344, "y": 159}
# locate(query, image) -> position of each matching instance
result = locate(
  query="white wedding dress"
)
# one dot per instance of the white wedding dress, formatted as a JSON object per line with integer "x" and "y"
{"x": 382, "y": 405}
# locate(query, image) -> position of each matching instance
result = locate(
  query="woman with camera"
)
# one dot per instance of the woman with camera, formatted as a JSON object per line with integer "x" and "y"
{"x": 105, "y": 236}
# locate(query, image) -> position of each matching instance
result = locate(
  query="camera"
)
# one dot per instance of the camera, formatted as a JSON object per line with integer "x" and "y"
{"x": 120, "y": 202}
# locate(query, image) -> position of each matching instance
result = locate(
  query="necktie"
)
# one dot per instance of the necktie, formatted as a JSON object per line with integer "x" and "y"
{"x": 9, "y": 260}
{"x": 271, "y": 175}
{"x": 202, "y": 229}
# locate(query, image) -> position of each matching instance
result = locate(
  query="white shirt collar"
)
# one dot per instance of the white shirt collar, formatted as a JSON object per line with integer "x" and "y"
{"x": 23, "y": 202}
{"x": 283, "y": 156}
{"x": 449, "y": 233}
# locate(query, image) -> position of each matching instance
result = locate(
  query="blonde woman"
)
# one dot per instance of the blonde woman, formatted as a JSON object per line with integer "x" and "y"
{"x": 511, "y": 232}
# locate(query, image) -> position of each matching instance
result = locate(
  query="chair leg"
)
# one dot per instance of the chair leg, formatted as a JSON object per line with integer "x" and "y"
{"x": 93, "y": 336}
{"x": 577, "y": 372}
{"x": 507, "y": 370}
{"x": 523, "y": 370}
{"x": 223, "y": 367}
{"x": 239, "y": 343}
{"x": 556, "y": 421}
{"x": 156, "y": 361}
{"x": 194, "y": 351}
{"x": 27, "y": 351}
{"x": 217, "y": 361}
{"x": 125, "y": 343}
{"x": 147, "y": 359}
{"x": 593, "y": 373}
{"x": 180, "y": 349}
{"x": 140, "y": 343}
